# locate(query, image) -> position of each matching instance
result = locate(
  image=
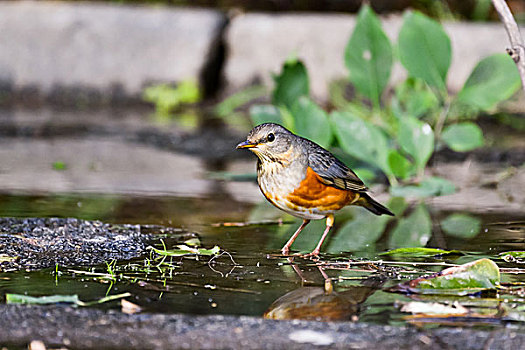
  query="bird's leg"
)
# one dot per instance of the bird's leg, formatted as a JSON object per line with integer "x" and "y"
{"x": 329, "y": 224}
{"x": 286, "y": 248}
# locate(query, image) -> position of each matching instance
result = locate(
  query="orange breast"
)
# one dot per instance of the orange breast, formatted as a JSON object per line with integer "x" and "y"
{"x": 313, "y": 193}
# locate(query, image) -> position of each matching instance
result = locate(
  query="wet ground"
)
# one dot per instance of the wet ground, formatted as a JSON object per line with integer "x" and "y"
{"x": 139, "y": 189}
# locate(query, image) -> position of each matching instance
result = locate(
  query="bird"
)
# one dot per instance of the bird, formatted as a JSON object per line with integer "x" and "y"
{"x": 305, "y": 180}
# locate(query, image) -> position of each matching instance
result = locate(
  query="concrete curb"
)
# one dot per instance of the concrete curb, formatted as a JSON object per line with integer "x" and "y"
{"x": 102, "y": 48}
{"x": 59, "y": 326}
{"x": 106, "y": 52}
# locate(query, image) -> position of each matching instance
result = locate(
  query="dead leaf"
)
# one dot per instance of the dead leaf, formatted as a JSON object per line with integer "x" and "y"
{"x": 419, "y": 307}
{"x": 129, "y": 308}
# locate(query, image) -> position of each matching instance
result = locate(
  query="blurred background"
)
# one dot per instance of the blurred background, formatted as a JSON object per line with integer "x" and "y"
{"x": 139, "y": 104}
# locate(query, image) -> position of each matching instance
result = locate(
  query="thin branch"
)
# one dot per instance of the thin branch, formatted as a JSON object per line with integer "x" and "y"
{"x": 517, "y": 49}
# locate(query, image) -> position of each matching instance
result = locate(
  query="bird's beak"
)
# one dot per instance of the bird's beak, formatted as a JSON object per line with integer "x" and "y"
{"x": 246, "y": 144}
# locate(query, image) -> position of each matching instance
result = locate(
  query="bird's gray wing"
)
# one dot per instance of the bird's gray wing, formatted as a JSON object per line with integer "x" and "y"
{"x": 332, "y": 171}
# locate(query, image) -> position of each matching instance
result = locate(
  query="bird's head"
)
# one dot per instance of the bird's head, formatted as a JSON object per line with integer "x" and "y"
{"x": 270, "y": 142}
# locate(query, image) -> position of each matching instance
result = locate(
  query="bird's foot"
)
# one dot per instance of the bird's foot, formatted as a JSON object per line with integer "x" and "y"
{"x": 314, "y": 255}
{"x": 285, "y": 251}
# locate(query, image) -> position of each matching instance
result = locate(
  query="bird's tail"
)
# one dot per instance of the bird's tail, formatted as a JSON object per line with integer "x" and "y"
{"x": 375, "y": 207}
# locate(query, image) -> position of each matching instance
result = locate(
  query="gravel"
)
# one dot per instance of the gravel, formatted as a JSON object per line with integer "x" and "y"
{"x": 36, "y": 243}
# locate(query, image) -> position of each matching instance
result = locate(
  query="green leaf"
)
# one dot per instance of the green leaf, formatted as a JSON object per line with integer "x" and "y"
{"x": 494, "y": 79}
{"x": 368, "y": 56}
{"x": 55, "y": 299}
{"x": 361, "y": 139}
{"x": 412, "y": 231}
{"x": 483, "y": 273}
{"x": 359, "y": 233}
{"x": 425, "y": 49}
{"x": 432, "y": 186}
{"x": 461, "y": 225}
{"x": 311, "y": 121}
{"x": 418, "y": 252}
{"x": 463, "y": 137}
{"x": 399, "y": 165}
{"x": 193, "y": 242}
{"x": 47, "y": 299}
{"x": 518, "y": 254}
{"x": 417, "y": 139}
{"x": 183, "y": 249}
{"x": 260, "y": 114}
{"x": 291, "y": 84}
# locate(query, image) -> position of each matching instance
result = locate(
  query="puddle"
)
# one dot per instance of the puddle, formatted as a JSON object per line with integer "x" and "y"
{"x": 250, "y": 278}
{"x": 185, "y": 185}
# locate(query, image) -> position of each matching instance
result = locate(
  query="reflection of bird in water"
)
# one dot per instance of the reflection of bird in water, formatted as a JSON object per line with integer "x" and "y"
{"x": 321, "y": 304}
{"x": 303, "y": 179}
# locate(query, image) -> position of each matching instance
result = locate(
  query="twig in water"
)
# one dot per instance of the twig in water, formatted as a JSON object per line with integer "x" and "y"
{"x": 250, "y": 223}
{"x": 219, "y": 272}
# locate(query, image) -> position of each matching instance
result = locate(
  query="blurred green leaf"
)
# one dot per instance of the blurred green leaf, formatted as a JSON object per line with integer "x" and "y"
{"x": 359, "y": 233}
{"x": 368, "y": 55}
{"x": 418, "y": 252}
{"x": 494, "y": 79}
{"x": 288, "y": 118}
{"x": 425, "y": 50}
{"x": 311, "y": 121}
{"x": 397, "y": 205}
{"x": 400, "y": 166}
{"x": 167, "y": 97}
{"x": 417, "y": 139}
{"x": 463, "y": 137}
{"x": 59, "y": 166}
{"x": 461, "y": 225}
{"x": 239, "y": 99}
{"x": 260, "y": 114}
{"x": 412, "y": 231}
{"x": 432, "y": 186}
{"x": 291, "y": 84}
{"x": 365, "y": 174}
{"x": 416, "y": 97}
{"x": 361, "y": 139}
{"x": 514, "y": 121}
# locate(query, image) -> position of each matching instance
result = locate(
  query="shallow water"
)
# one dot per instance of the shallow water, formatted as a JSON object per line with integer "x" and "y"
{"x": 250, "y": 278}
{"x": 129, "y": 153}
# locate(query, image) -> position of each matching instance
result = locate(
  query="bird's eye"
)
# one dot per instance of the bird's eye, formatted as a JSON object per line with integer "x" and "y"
{"x": 271, "y": 137}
